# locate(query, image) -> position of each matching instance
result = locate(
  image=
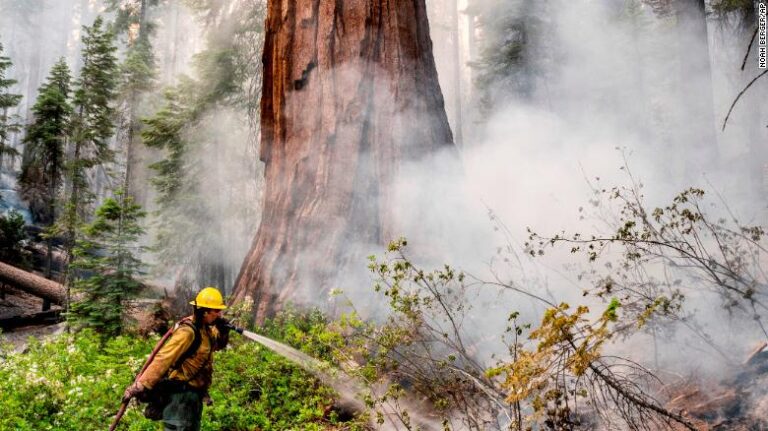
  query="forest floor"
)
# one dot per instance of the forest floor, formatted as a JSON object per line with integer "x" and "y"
{"x": 15, "y": 304}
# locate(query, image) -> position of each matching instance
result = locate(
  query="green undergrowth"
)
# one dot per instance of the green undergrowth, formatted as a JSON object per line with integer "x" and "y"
{"x": 75, "y": 382}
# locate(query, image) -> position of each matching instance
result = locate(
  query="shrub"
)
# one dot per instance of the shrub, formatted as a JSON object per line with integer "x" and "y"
{"x": 75, "y": 382}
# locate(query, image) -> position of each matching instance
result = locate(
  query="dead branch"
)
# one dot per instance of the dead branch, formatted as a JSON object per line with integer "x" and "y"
{"x": 749, "y": 48}
{"x": 725, "y": 122}
{"x": 636, "y": 400}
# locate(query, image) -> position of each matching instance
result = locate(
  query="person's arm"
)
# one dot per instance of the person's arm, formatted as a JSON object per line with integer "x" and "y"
{"x": 220, "y": 332}
{"x": 180, "y": 341}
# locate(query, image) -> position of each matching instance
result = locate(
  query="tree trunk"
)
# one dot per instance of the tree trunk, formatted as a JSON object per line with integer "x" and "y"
{"x": 133, "y": 124}
{"x": 471, "y": 14}
{"x": 456, "y": 66}
{"x": 350, "y": 94}
{"x": 34, "y": 284}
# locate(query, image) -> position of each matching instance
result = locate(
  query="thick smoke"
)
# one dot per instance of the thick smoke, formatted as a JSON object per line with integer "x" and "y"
{"x": 618, "y": 90}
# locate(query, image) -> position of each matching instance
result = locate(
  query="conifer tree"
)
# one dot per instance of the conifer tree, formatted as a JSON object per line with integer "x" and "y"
{"x": 93, "y": 122}
{"x": 8, "y": 123}
{"x": 137, "y": 74}
{"x": 12, "y": 234}
{"x": 191, "y": 235}
{"x": 106, "y": 265}
{"x": 137, "y": 79}
{"x": 510, "y": 54}
{"x": 131, "y": 15}
{"x": 42, "y": 166}
{"x": 165, "y": 131}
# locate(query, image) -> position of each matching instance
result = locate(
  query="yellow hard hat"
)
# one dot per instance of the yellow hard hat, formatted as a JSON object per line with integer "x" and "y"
{"x": 210, "y": 297}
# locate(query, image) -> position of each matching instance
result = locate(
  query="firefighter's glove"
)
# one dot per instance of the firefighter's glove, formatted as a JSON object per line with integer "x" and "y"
{"x": 223, "y": 326}
{"x": 132, "y": 391}
{"x": 207, "y": 400}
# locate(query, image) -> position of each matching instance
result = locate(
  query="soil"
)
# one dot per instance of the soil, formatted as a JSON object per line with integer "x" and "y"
{"x": 15, "y": 303}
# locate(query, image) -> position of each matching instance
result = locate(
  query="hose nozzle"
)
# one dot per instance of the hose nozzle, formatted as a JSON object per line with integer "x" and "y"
{"x": 224, "y": 323}
{"x": 232, "y": 327}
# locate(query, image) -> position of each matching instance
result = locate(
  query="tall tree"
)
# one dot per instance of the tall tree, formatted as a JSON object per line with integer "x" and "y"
{"x": 137, "y": 78}
{"x": 42, "y": 167}
{"x": 43, "y": 157}
{"x": 92, "y": 123}
{"x": 350, "y": 94}
{"x": 204, "y": 181}
{"x": 510, "y": 60}
{"x": 8, "y": 123}
{"x": 456, "y": 74}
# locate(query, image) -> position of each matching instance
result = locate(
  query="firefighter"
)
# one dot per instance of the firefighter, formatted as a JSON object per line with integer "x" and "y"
{"x": 180, "y": 374}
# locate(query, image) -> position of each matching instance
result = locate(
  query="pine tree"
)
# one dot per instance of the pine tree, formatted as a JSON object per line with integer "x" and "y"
{"x": 8, "y": 123}
{"x": 42, "y": 166}
{"x": 165, "y": 131}
{"x": 138, "y": 72}
{"x": 106, "y": 265}
{"x": 93, "y": 120}
{"x": 510, "y": 55}
{"x": 131, "y": 15}
{"x": 191, "y": 233}
{"x": 137, "y": 79}
{"x": 93, "y": 123}
{"x": 12, "y": 234}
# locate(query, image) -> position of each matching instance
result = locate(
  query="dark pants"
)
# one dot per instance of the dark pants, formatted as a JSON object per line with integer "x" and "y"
{"x": 184, "y": 410}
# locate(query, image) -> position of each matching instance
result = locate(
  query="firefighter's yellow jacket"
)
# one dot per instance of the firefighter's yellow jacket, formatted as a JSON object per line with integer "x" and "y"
{"x": 197, "y": 370}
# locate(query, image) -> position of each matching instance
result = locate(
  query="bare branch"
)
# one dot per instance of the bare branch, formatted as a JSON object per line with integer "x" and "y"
{"x": 741, "y": 93}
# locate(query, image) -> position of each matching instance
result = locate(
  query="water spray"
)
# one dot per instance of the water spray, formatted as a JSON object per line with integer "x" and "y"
{"x": 345, "y": 385}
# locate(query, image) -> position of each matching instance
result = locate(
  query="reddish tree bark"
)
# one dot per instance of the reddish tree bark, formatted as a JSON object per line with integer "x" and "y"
{"x": 350, "y": 93}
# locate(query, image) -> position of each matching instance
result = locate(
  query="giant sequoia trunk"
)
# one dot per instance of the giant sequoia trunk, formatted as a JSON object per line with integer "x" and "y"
{"x": 350, "y": 93}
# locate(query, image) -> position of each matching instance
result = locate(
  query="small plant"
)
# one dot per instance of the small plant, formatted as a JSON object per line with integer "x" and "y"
{"x": 12, "y": 236}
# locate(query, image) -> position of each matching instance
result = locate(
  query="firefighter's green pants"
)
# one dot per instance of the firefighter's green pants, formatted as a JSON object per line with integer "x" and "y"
{"x": 183, "y": 412}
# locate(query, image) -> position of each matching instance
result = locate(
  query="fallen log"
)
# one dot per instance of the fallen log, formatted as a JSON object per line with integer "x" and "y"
{"x": 33, "y": 284}
{"x": 44, "y": 288}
